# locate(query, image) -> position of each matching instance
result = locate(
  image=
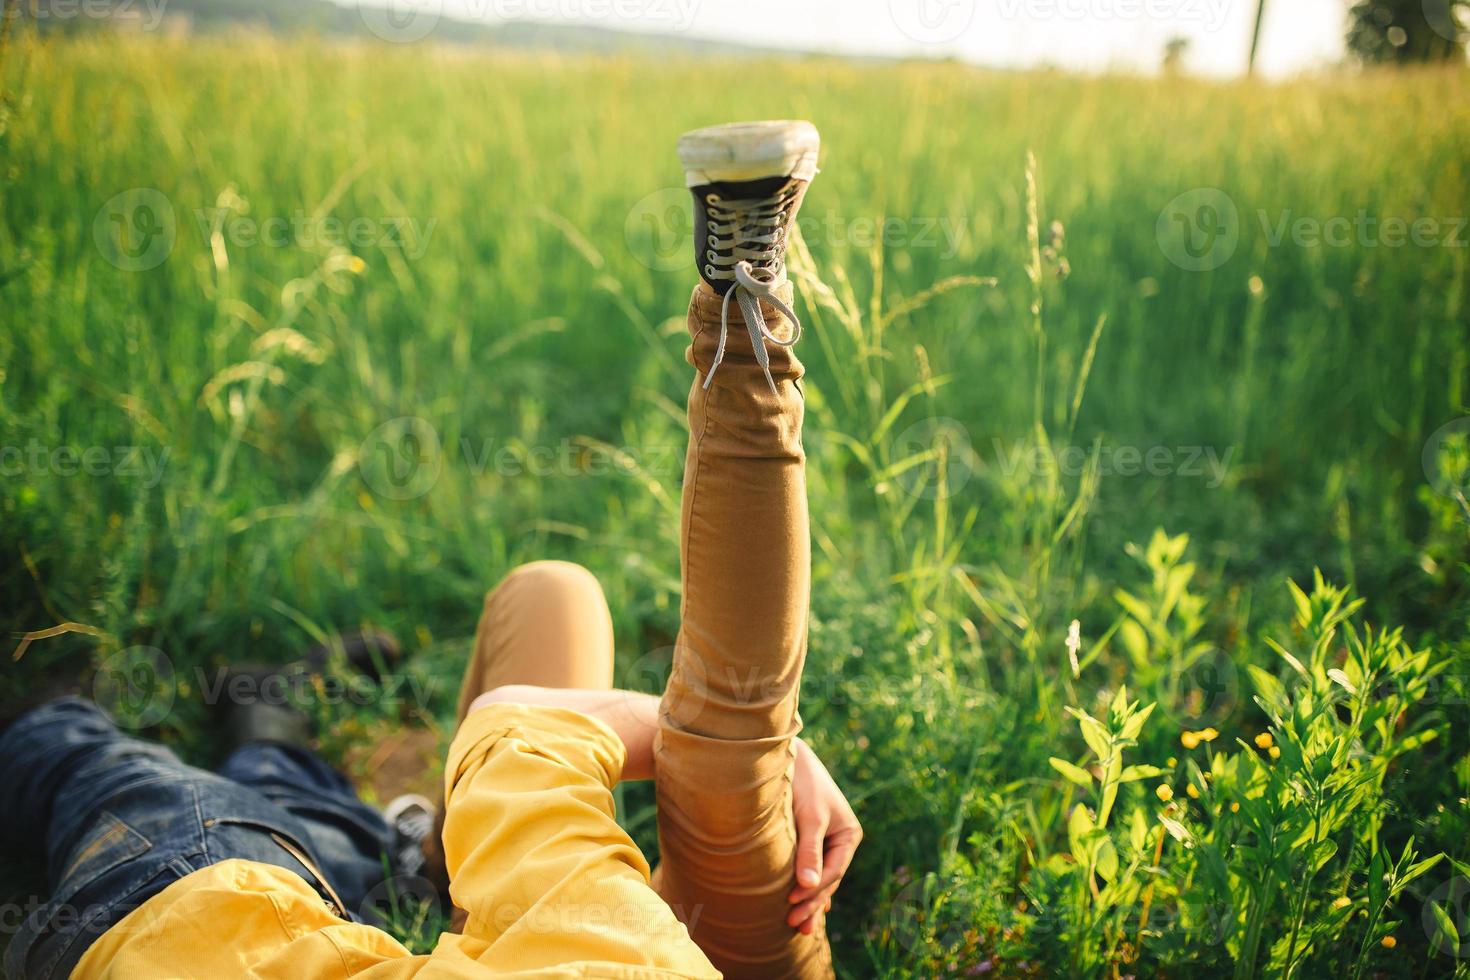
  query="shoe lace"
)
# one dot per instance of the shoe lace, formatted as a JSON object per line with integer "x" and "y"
{"x": 747, "y": 243}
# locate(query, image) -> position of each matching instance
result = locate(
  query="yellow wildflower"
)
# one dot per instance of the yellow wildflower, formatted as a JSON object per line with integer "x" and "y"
{"x": 1189, "y": 740}
{"x": 1263, "y": 740}
{"x": 1164, "y": 792}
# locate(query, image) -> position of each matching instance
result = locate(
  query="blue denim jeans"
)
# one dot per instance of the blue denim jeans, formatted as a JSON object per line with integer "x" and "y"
{"x": 120, "y": 819}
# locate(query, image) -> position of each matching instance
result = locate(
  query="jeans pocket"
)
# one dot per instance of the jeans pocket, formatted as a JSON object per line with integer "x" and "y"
{"x": 107, "y": 875}
{"x": 111, "y": 842}
{"x": 272, "y": 842}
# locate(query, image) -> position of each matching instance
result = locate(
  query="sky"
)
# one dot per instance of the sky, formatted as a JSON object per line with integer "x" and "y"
{"x": 1082, "y": 35}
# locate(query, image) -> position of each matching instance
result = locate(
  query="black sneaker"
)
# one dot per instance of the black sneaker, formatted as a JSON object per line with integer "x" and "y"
{"x": 748, "y": 181}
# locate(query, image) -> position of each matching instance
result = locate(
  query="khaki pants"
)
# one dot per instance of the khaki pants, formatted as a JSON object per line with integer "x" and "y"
{"x": 728, "y": 715}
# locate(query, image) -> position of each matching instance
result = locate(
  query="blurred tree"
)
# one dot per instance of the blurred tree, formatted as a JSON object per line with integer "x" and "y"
{"x": 1407, "y": 31}
{"x": 1174, "y": 51}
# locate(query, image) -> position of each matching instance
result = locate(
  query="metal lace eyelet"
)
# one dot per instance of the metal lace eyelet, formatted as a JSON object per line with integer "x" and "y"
{"x": 712, "y": 198}
{"x": 711, "y": 256}
{"x": 713, "y": 242}
{"x": 709, "y": 270}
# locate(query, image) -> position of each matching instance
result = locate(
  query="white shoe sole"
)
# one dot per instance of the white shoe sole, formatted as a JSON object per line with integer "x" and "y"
{"x": 749, "y": 151}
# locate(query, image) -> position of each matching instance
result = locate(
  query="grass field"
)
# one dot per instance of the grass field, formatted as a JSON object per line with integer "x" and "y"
{"x": 296, "y": 338}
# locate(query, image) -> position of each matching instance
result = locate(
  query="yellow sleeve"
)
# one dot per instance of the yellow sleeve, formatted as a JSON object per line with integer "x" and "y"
{"x": 535, "y": 856}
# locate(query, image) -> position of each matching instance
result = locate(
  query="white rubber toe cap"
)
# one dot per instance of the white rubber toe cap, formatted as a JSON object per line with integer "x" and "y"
{"x": 750, "y": 151}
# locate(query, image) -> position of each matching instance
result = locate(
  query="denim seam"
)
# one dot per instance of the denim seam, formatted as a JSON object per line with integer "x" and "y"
{"x": 199, "y": 824}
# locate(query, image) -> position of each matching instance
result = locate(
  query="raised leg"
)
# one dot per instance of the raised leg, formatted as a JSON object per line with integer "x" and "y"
{"x": 729, "y": 713}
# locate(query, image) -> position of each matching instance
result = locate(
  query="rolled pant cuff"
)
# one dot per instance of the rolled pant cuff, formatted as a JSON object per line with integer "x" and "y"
{"x": 739, "y": 367}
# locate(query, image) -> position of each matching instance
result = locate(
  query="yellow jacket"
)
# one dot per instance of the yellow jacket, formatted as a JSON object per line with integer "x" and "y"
{"x": 552, "y": 885}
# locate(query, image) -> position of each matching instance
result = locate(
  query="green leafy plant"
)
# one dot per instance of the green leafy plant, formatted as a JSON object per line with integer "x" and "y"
{"x": 1100, "y": 887}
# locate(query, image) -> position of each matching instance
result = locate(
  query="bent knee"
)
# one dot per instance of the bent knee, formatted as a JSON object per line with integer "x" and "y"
{"x": 550, "y": 577}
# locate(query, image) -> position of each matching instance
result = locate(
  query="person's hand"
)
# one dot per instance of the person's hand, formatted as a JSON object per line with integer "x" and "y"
{"x": 827, "y": 834}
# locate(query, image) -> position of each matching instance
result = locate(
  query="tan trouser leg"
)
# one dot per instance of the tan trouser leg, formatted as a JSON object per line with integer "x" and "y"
{"x": 729, "y": 713}
{"x": 546, "y": 624}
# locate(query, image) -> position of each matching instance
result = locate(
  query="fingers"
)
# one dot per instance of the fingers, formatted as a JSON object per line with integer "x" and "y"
{"x": 805, "y": 913}
{"x": 811, "y": 834}
{"x": 840, "y": 845}
{"x": 807, "y": 902}
{"x": 827, "y": 835}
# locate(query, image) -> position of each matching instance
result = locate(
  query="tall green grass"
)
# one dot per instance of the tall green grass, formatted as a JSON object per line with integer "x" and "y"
{"x": 536, "y": 310}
